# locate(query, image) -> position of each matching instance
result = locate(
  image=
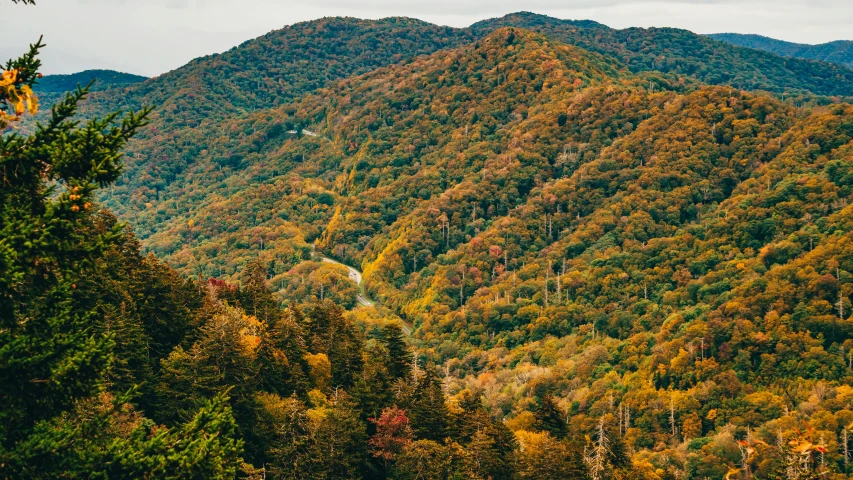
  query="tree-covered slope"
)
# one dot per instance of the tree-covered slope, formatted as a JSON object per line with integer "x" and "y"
{"x": 284, "y": 64}
{"x": 594, "y": 250}
{"x": 551, "y": 222}
{"x": 839, "y": 51}
{"x": 102, "y": 78}
{"x": 686, "y": 53}
{"x": 198, "y": 100}
{"x": 278, "y": 67}
{"x": 52, "y": 88}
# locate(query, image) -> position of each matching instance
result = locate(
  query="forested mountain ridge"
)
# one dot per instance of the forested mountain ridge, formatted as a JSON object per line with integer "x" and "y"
{"x": 103, "y": 78}
{"x": 673, "y": 257}
{"x": 197, "y": 101}
{"x": 51, "y": 88}
{"x": 611, "y": 273}
{"x": 288, "y": 63}
{"x": 839, "y": 51}
{"x": 284, "y": 64}
{"x": 672, "y": 50}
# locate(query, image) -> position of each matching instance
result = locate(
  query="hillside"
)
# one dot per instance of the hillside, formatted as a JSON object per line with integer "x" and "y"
{"x": 552, "y": 223}
{"x": 591, "y": 256}
{"x": 103, "y": 79}
{"x": 284, "y": 64}
{"x": 51, "y": 88}
{"x": 198, "y": 100}
{"x": 840, "y": 51}
{"x": 683, "y": 52}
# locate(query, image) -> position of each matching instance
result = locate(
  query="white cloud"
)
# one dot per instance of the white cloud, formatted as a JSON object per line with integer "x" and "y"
{"x": 153, "y": 36}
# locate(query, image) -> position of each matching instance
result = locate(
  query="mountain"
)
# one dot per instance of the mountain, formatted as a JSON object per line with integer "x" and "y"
{"x": 278, "y": 67}
{"x": 194, "y": 102}
{"x": 607, "y": 270}
{"x": 197, "y": 101}
{"x": 51, "y": 88}
{"x": 103, "y": 79}
{"x": 284, "y": 64}
{"x": 840, "y": 51}
{"x": 550, "y": 221}
{"x": 683, "y": 52}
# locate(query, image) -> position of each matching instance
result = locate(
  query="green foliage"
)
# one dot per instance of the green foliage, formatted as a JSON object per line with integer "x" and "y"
{"x": 58, "y": 344}
{"x": 619, "y": 272}
{"x": 69, "y": 83}
{"x": 550, "y": 418}
{"x": 840, "y": 51}
{"x": 682, "y": 52}
{"x": 399, "y": 356}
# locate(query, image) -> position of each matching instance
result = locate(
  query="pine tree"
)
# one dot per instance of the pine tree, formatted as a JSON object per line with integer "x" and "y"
{"x": 399, "y": 356}
{"x": 340, "y": 441}
{"x": 187, "y": 379}
{"x": 281, "y": 358}
{"x": 427, "y": 408}
{"x": 372, "y": 391}
{"x": 56, "y": 420}
{"x": 285, "y": 428}
{"x": 551, "y": 418}
{"x": 255, "y": 296}
{"x": 328, "y": 332}
{"x": 489, "y": 443}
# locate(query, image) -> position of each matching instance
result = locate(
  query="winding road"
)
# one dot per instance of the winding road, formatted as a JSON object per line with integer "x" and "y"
{"x": 361, "y": 298}
{"x": 355, "y": 276}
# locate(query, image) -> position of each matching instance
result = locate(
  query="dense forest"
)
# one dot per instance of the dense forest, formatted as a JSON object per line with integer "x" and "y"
{"x": 101, "y": 78}
{"x": 52, "y": 88}
{"x": 590, "y": 259}
{"x": 839, "y": 51}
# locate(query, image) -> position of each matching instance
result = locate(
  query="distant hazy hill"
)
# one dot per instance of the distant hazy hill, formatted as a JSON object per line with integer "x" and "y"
{"x": 682, "y": 52}
{"x": 103, "y": 79}
{"x": 840, "y": 51}
{"x": 51, "y": 88}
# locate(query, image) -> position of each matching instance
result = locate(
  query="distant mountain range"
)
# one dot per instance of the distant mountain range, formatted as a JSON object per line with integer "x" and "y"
{"x": 53, "y": 87}
{"x": 840, "y": 51}
{"x": 103, "y": 79}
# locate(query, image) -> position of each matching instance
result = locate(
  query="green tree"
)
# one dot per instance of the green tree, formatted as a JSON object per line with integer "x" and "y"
{"x": 429, "y": 460}
{"x": 490, "y": 446}
{"x": 255, "y": 296}
{"x": 399, "y": 356}
{"x": 427, "y": 409}
{"x": 281, "y": 357}
{"x": 328, "y": 332}
{"x": 55, "y": 355}
{"x": 551, "y": 418}
{"x": 187, "y": 378}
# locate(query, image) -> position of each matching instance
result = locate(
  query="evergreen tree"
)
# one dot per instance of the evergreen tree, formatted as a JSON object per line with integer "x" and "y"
{"x": 399, "y": 356}
{"x": 55, "y": 352}
{"x": 427, "y": 409}
{"x": 490, "y": 444}
{"x": 255, "y": 296}
{"x": 551, "y": 418}
{"x": 285, "y": 429}
{"x": 187, "y": 379}
{"x": 340, "y": 441}
{"x": 372, "y": 391}
{"x": 328, "y": 332}
{"x": 281, "y": 357}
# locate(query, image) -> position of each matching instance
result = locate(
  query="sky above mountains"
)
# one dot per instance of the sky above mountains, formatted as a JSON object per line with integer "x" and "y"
{"x": 155, "y": 36}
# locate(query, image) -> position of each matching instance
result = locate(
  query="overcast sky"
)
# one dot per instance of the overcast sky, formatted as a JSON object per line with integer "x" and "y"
{"x": 149, "y": 37}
